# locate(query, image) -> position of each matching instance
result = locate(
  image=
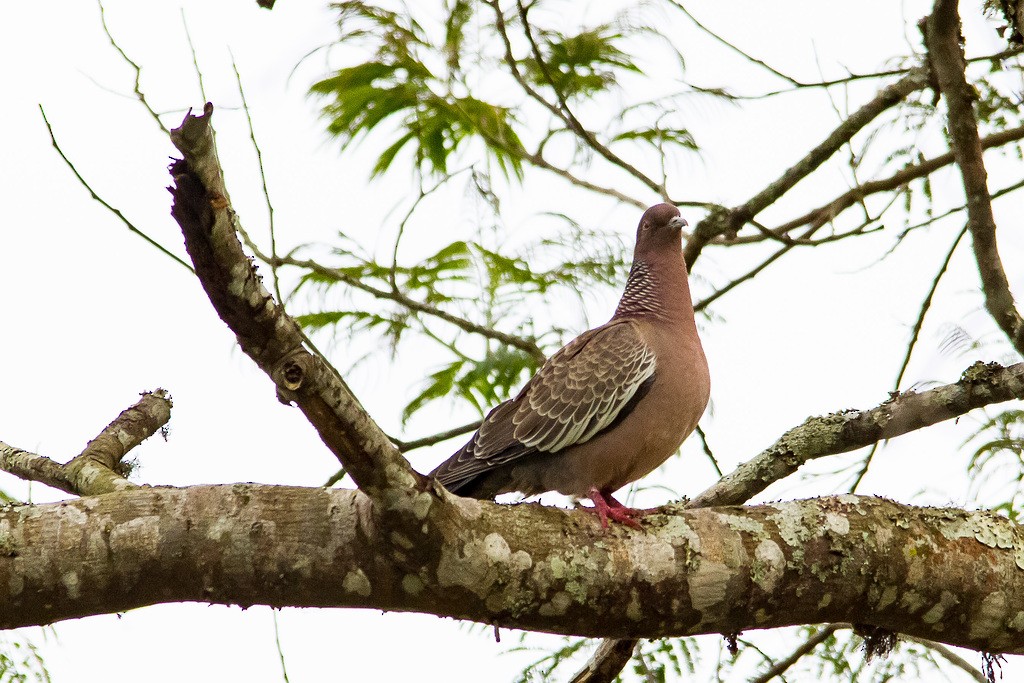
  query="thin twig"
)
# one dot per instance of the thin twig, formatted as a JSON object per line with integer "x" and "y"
{"x": 803, "y": 649}
{"x": 953, "y": 658}
{"x": 925, "y": 305}
{"x": 736, "y": 49}
{"x": 406, "y": 446}
{"x": 945, "y": 214}
{"x": 195, "y": 57}
{"x": 563, "y": 114}
{"x": 729, "y": 222}
{"x": 139, "y": 94}
{"x": 277, "y": 644}
{"x": 103, "y": 202}
{"x": 707, "y": 450}
{"x": 263, "y": 179}
{"x": 914, "y": 335}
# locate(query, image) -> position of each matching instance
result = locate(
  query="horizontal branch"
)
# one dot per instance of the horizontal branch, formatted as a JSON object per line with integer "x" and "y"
{"x": 942, "y": 574}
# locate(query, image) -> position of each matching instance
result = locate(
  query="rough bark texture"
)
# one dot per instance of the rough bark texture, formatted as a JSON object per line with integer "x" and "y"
{"x": 942, "y": 574}
{"x": 942, "y": 32}
{"x": 264, "y": 330}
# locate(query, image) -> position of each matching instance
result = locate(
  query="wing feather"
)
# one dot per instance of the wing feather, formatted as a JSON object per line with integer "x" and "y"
{"x": 580, "y": 391}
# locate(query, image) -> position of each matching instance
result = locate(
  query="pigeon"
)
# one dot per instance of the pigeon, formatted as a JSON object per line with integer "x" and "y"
{"x": 611, "y": 405}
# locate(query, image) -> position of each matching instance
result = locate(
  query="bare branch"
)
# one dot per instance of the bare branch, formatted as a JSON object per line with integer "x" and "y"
{"x": 803, "y": 649}
{"x": 139, "y": 94}
{"x": 728, "y": 222}
{"x": 830, "y": 211}
{"x": 982, "y": 384}
{"x": 688, "y": 572}
{"x": 943, "y": 42}
{"x": 97, "y": 470}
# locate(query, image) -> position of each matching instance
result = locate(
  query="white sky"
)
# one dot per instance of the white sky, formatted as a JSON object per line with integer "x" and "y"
{"x": 95, "y": 315}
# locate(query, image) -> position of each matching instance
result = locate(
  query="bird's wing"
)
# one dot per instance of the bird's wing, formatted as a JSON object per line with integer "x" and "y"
{"x": 585, "y": 388}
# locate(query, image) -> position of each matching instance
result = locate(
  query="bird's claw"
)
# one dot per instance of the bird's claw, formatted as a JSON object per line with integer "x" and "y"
{"x": 607, "y": 508}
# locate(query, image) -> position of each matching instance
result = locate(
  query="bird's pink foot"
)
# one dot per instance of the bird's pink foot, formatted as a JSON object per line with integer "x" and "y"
{"x": 607, "y": 508}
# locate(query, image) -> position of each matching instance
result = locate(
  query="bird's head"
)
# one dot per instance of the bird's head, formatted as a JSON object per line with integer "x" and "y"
{"x": 660, "y": 227}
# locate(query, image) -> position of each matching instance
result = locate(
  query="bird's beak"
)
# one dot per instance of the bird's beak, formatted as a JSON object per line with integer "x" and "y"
{"x": 678, "y": 223}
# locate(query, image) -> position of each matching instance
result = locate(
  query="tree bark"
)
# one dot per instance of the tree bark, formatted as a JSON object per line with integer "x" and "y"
{"x": 942, "y": 574}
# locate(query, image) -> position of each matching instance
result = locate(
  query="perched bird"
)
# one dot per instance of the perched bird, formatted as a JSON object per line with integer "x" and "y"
{"x": 611, "y": 405}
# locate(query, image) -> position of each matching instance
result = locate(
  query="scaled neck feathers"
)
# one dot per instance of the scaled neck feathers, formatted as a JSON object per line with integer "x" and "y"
{"x": 657, "y": 289}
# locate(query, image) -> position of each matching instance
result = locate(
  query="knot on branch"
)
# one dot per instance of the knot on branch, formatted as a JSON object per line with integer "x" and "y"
{"x": 291, "y": 374}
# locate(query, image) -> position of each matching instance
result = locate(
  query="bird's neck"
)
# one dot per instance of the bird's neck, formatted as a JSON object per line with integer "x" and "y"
{"x": 657, "y": 289}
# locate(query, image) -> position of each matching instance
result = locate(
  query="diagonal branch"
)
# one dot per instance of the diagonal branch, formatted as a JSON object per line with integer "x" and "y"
{"x": 264, "y": 330}
{"x": 981, "y": 384}
{"x": 855, "y": 195}
{"x": 729, "y": 221}
{"x": 942, "y": 37}
{"x": 128, "y": 224}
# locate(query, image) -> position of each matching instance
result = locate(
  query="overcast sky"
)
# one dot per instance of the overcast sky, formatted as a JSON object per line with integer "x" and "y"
{"x": 95, "y": 315}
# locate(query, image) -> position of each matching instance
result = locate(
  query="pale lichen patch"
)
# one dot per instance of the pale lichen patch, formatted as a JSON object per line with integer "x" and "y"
{"x": 912, "y": 601}
{"x": 1017, "y": 623}
{"x": 401, "y": 540}
{"x": 796, "y": 525}
{"x": 633, "y": 610}
{"x": 412, "y": 584}
{"x": 709, "y": 585}
{"x": 989, "y": 617}
{"x": 357, "y": 582}
{"x": 938, "y": 610}
{"x": 887, "y": 597}
{"x": 470, "y": 508}
{"x": 745, "y": 524}
{"x": 71, "y": 584}
{"x": 837, "y": 523}
{"x": 557, "y": 606}
{"x": 993, "y": 531}
{"x": 653, "y": 558}
{"x": 768, "y": 565}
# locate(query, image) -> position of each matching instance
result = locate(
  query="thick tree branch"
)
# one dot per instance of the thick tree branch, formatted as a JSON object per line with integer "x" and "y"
{"x": 846, "y": 558}
{"x": 264, "y": 330}
{"x": 944, "y": 51}
{"x": 728, "y": 222}
{"x": 98, "y": 469}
